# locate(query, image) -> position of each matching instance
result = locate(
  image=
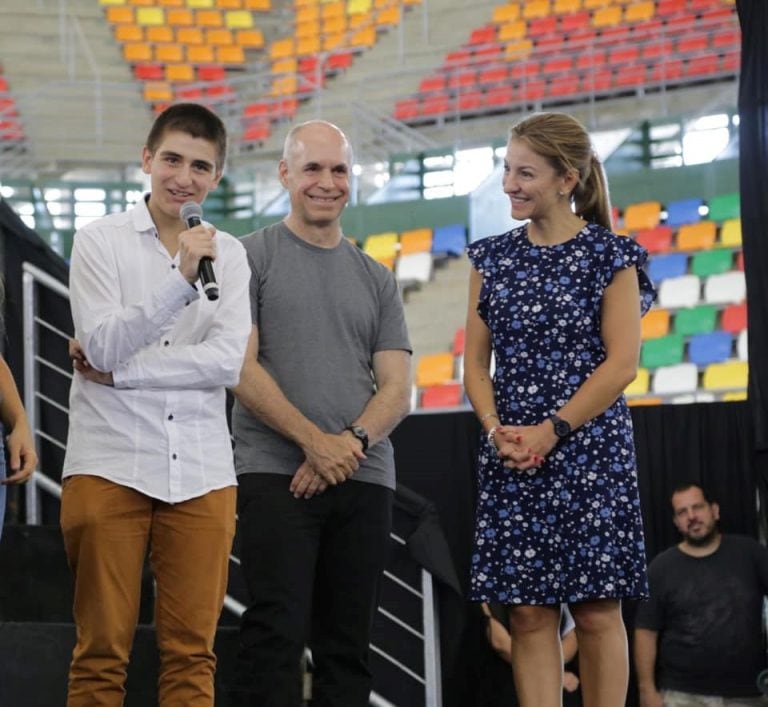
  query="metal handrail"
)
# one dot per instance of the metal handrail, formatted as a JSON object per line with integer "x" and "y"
{"x": 32, "y": 277}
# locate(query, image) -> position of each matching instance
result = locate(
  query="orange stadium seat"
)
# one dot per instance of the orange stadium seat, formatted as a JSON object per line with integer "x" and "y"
{"x": 417, "y": 240}
{"x": 697, "y": 236}
{"x": 249, "y": 38}
{"x": 654, "y": 324}
{"x": 190, "y": 35}
{"x": 639, "y": 11}
{"x": 157, "y": 91}
{"x": 533, "y": 9}
{"x": 129, "y": 33}
{"x": 137, "y": 51}
{"x": 515, "y": 29}
{"x": 169, "y": 53}
{"x": 506, "y": 13}
{"x": 200, "y": 54}
{"x": 160, "y": 34}
{"x": 609, "y": 16}
{"x": 434, "y": 369}
{"x": 566, "y": 7}
{"x": 120, "y": 15}
{"x": 181, "y": 17}
{"x": 179, "y": 72}
{"x": 642, "y": 215}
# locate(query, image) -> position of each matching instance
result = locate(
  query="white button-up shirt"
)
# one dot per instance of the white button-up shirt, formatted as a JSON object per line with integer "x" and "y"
{"x": 162, "y": 428}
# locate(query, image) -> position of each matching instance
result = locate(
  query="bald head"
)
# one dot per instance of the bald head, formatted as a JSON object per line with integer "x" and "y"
{"x": 316, "y": 129}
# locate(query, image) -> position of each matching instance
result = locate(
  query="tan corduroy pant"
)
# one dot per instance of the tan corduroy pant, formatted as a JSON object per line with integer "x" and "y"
{"x": 107, "y": 529}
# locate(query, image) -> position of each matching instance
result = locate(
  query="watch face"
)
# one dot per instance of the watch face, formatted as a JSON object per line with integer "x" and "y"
{"x": 562, "y": 429}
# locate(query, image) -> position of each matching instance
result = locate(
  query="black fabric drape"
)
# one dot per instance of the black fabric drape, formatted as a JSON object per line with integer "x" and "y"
{"x": 753, "y": 170}
{"x": 19, "y": 245}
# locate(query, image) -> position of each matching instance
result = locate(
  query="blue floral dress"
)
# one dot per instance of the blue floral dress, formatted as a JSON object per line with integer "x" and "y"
{"x": 570, "y": 530}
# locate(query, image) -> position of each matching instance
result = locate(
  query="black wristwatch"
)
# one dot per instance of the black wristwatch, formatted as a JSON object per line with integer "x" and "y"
{"x": 359, "y": 433}
{"x": 562, "y": 428}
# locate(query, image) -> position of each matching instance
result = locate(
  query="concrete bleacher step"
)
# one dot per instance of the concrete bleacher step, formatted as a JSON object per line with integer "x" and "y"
{"x": 434, "y": 312}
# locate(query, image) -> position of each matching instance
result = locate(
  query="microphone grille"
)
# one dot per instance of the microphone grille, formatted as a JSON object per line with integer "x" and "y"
{"x": 190, "y": 209}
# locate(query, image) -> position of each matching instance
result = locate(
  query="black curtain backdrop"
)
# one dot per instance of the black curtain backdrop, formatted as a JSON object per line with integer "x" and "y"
{"x": 753, "y": 171}
{"x": 20, "y": 245}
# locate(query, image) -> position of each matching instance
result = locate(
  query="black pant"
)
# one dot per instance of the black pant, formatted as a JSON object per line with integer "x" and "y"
{"x": 312, "y": 567}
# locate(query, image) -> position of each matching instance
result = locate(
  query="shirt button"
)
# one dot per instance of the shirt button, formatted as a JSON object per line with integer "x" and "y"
{"x": 173, "y": 266}
{"x": 186, "y": 304}
{"x": 166, "y": 343}
{"x": 173, "y": 456}
{"x": 170, "y": 417}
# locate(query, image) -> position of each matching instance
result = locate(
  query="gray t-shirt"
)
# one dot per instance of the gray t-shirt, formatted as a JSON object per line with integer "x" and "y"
{"x": 321, "y": 313}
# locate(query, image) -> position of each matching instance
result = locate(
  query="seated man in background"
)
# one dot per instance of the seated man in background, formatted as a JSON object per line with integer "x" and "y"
{"x": 699, "y": 641}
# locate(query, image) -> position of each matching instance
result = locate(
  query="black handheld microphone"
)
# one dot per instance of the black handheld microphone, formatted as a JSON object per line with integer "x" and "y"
{"x": 192, "y": 214}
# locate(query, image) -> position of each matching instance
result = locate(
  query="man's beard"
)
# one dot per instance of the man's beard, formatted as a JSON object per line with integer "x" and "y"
{"x": 704, "y": 539}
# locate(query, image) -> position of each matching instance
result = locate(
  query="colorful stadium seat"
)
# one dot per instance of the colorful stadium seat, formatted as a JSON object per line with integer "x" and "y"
{"x": 730, "y": 232}
{"x": 449, "y": 240}
{"x": 458, "y": 342}
{"x": 662, "y": 267}
{"x": 446, "y": 395}
{"x": 639, "y": 386}
{"x": 683, "y": 211}
{"x": 732, "y": 375}
{"x": 642, "y": 216}
{"x": 434, "y": 369}
{"x": 417, "y": 240}
{"x": 664, "y": 351}
{"x": 381, "y": 246}
{"x": 683, "y": 291}
{"x": 734, "y": 318}
{"x": 711, "y": 262}
{"x": 654, "y": 324}
{"x": 655, "y": 240}
{"x": 414, "y": 268}
{"x": 741, "y": 345}
{"x": 673, "y": 380}
{"x": 696, "y": 236}
{"x": 725, "y": 206}
{"x": 696, "y": 320}
{"x": 726, "y": 288}
{"x": 715, "y": 347}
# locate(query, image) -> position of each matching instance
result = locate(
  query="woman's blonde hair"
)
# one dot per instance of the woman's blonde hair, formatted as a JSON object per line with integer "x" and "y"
{"x": 565, "y": 143}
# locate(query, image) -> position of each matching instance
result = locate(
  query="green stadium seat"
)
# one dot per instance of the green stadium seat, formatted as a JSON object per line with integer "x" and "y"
{"x": 696, "y": 320}
{"x": 711, "y": 262}
{"x": 724, "y": 207}
{"x": 664, "y": 351}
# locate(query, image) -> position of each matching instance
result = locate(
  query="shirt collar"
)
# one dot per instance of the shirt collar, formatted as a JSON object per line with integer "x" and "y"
{"x": 142, "y": 219}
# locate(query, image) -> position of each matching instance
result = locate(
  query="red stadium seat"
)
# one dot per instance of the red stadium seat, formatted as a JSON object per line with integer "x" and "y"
{"x": 493, "y": 75}
{"x": 734, "y": 318}
{"x": 656, "y": 240}
{"x": 442, "y": 396}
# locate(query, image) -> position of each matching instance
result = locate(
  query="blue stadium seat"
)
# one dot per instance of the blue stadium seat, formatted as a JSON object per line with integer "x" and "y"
{"x": 670, "y": 265}
{"x": 449, "y": 240}
{"x": 683, "y": 211}
{"x": 714, "y": 347}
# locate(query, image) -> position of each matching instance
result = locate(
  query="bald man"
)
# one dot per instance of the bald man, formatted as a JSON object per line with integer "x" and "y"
{"x": 327, "y": 376}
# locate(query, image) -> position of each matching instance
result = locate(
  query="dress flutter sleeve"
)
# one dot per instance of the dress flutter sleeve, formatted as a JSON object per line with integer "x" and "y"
{"x": 624, "y": 253}
{"x": 484, "y": 257}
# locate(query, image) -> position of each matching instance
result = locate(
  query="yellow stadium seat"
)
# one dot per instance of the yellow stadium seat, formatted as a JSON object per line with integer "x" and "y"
{"x": 229, "y": 55}
{"x": 308, "y": 45}
{"x": 200, "y": 54}
{"x": 564, "y": 7}
{"x": 734, "y": 396}
{"x": 239, "y": 19}
{"x": 334, "y": 25}
{"x": 249, "y": 38}
{"x": 200, "y": 4}
{"x": 506, "y": 13}
{"x": 285, "y": 66}
{"x": 417, "y": 240}
{"x": 137, "y": 51}
{"x": 157, "y": 92}
{"x": 120, "y": 15}
{"x": 209, "y": 18}
{"x": 159, "y": 34}
{"x": 333, "y": 9}
{"x": 434, "y": 369}
{"x": 517, "y": 29}
{"x": 639, "y": 11}
{"x": 170, "y": 54}
{"x": 310, "y": 28}
{"x": 381, "y": 245}
{"x": 639, "y": 386}
{"x": 730, "y": 232}
{"x": 654, "y": 324}
{"x": 219, "y": 37}
{"x": 609, "y": 16}
{"x": 111, "y": 2}
{"x": 696, "y": 236}
{"x": 179, "y": 72}
{"x": 646, "y": 402}
{"x": 129, "y": 33}
{"x": 357, "y": 7}
{"x": 333, "y": 41}
{"x": 281, "y": 48}
{"x": 150, "y": 16}
{"x": 284, "y": 86}
{"x": 534, "y": 9}
{"x": 388, "y": 16}
{"x": 514, "y": 51}
{"x": 181, "y": 17}
{"x": 642, "y": 216}
{"x": 189, "y": 35}
{"x": 365, "y": 37}
{"x": 731, "y": 375}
